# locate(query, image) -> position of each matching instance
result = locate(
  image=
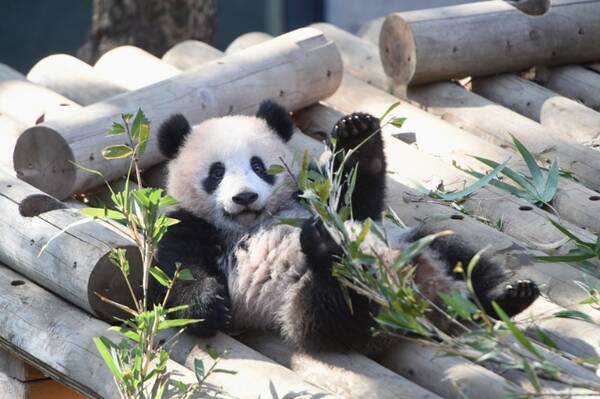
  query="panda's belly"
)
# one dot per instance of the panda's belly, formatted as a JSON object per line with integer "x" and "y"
{"x": 265, "y": 267}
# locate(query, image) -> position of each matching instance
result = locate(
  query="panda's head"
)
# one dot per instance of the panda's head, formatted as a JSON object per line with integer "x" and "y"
{"x": 218, "y": 169}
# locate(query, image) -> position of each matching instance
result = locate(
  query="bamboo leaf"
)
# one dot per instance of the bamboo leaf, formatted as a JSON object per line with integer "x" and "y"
{"x": 536, "y": 173}
{"x": 572, "y": 314}
{"x": 518, "y": 334}
{"x": 103, "y": 213}
{"x": 551, "y": 182}
{"x": 103, "y": 345}
{"x": 172, "y": 323}
{"x": 275, "y": 170}
{"x": 117, "y": 151}
{"x": 199, "y": 369}
{"x": 531, "y": 376}
{"x": 398, "y": 122}
{"x": 456, "y": 195}
{"x": 116, "y": 129}
{"x": 390, "y": 109}
{"x": 160, "y": 276}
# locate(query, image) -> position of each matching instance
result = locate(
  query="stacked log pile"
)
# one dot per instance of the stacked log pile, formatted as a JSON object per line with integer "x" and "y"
{"x": 56, "y": 116}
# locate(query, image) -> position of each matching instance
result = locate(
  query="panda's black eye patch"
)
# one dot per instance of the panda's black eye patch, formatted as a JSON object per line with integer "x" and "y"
{"x": 215, "y": 175}
{"x": 258, "y": 166}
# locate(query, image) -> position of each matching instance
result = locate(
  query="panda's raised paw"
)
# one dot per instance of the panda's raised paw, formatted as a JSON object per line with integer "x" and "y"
{"x": 517, "y": 296}
{"x": 354, "y": 128}
{"x": 318, "y": 245}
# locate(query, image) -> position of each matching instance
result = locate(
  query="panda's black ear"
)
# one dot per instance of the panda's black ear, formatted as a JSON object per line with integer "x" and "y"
{"x": 278, "y": 119}
{"x": 171, "y": 135}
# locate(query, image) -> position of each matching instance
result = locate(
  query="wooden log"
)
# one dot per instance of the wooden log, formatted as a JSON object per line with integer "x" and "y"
{"x": 7, "y": 73}
{"x": 346, "y": 375}
{"x": 496, "y": 123}
{"x": 73, "y": 78}
{"x": 575, "y": 336}
{"x": 449, "y": 376}
{"x": 10, "y": 130}
{"x": 15, "y": 368}
{"x": 50, "y": 389}
{"x": 75, "y": 264}
{"x": 488, "y": 120}
{"x": 133, "y": 68}
{"x": 247, "y": 40}
{"x": 567, "y": 117}
{"x": 50, "y": 322}
{"x": 258, "y": 376}
{"x": 29, "y": 103}
{"x": 484, "y": 38}
{"x": 45, "y": 154}
{"x": 11, "y": 388}
{"x": 190, "y": 53}
{"x": 572, "y": 81}
{"x": 573, "y": 202}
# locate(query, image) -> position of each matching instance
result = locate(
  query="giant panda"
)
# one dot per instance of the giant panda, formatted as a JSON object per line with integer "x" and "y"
{"x": 251, "y": 271}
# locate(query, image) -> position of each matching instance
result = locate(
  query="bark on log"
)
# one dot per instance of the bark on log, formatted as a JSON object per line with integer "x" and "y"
{"x": 190, "y": 53}
{"x": 153, "y": 25}
{"x": 484, "y": 38}
{"x": 346, "y": 375}
{"x": 75, "y": 264}
{"x": 277, "y": 69}
{"x": 10, "y": 130}
{"x": 247, "y": 40}
{"x": 133, "y": 68}
{"x": 29, "y": 103}
{"x": 257, "y": 377}
{"x": 50, "y": 322}
{"x": 17, "y": 369}
{"x": 73, "y": 79}
{"x": 573, "y": 81}
{"x": 565, "y": 116}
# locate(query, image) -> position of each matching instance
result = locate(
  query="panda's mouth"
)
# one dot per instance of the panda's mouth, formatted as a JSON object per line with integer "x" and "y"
{"x": 247, "y": 217}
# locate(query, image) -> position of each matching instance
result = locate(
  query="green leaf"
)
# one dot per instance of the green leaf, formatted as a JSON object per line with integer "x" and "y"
{"x": 511, "y": 174}
{"x": 117, "y": 151}
{"x": 224, "y": 371}
{"x": 551, "y": 182}
{"x": 390, "y": 109}
{"x": 275, "y": 170}
{"x": 116, "y": 129}
{"x": 172, "y": 323}
{"x": 103, "y": 213}
{"x": 103, "y": 345}
{"x": 140, "y": 125}
{"x": 199, "y": 369}
{"x": 398, "y": 122}
{"x": 160, "y": 276}
{"x": 572, "y": 314}
{"x": 456, "y": 195}
{"x": 296, "y": 222}
{"x": 536, "y": 173}
{"x": 545, "y": 339}
{"x": 518, "y": 334}
{"x": 531, "y": 376}
{"x": 185, "y": 275}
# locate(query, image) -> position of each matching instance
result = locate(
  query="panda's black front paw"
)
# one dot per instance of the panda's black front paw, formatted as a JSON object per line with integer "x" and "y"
{"x": 318, "y": 246}
{"x": 353, "y": 129}
{"x": 516, "y": 296}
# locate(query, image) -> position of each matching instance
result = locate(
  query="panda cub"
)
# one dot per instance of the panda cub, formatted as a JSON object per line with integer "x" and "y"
{"x": 252, "y": 272}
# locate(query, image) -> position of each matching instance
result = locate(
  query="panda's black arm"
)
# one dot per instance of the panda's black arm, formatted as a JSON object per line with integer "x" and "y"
{"x": 361, "y": 132}
{"x": 322, "y": 319}
{"x": 196, "y": 245}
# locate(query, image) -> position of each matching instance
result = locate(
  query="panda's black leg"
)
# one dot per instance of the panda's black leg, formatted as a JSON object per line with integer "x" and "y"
{"x": 513, "y": 297}
{"x": 361, "y": 132}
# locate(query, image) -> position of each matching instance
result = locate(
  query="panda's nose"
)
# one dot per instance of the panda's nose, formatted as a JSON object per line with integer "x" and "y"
{"x": 245, "y": 198}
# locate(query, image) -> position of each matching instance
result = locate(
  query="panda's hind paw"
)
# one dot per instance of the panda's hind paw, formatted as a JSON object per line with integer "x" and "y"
{"x": 517, "y": 296}
{"x": 352, "y": 129}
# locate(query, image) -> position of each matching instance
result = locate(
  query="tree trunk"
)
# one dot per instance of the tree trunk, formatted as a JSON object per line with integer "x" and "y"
{"x": 154, "y": 25}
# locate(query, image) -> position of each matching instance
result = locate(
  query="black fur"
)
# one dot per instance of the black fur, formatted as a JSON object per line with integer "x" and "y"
{"x": 369, "y": 192}
{"x": 172, "y": 134}
{"x": 215, "y": 175}
{"x": 197, "y": 245}
{"x": 278, "y": 119}
{"x": 490, "y": 281}
{"x": 258, "y": 166}
{"x": 327, "y": 322}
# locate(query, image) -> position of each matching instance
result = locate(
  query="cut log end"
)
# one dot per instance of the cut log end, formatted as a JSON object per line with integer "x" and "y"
{"x": 107, "y": 282}
{"x": 398, "y": 49}
{"x": 43, "y": 158}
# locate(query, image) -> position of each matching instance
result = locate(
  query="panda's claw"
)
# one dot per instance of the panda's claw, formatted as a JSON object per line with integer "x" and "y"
{"x": 517, "y": 296}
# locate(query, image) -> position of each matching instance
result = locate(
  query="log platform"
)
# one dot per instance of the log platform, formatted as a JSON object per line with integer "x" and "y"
{"x": 547, "y": 95}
